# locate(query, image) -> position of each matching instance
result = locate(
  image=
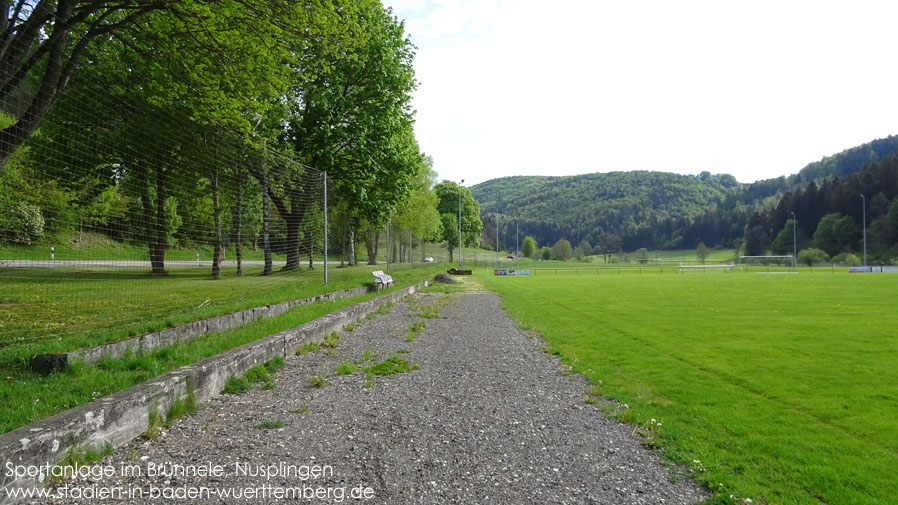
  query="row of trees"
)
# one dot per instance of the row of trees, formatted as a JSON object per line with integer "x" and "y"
{"x": 830, "y": 217}
{"x": 183, "y": 123}
{"x": 629, "y": 205}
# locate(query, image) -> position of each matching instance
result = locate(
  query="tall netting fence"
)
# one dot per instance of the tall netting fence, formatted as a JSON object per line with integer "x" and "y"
{"x": 117, "y": 219}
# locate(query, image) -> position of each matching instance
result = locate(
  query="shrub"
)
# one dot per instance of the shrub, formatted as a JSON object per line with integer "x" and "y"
{"x": 812, "y": 255}
{"x": 24, "y": 222}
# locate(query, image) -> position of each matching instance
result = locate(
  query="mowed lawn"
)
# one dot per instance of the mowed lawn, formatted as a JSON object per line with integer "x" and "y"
{"x": 62, "y": 309}
{"x": 778, "y": 388}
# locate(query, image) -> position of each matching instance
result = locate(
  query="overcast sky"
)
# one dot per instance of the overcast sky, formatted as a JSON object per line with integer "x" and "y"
{"x": 756, "y": 89}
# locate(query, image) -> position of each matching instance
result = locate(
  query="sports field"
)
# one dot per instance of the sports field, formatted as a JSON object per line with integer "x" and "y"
{"x": 778, "y": 388}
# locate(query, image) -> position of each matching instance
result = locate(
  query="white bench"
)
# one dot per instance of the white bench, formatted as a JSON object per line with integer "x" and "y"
{"x": 381, "y": 280}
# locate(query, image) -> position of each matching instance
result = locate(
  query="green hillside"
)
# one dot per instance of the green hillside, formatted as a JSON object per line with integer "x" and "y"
{"x": 658, "y": 210}
{"x": 847, "y": 162}
{"x": 581, "y": 207}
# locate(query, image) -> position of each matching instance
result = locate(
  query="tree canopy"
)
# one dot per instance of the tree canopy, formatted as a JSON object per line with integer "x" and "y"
{"x": 450, "y": 196}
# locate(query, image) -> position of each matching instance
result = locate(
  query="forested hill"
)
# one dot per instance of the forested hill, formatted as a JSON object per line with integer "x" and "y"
{"x": 581, "y": 207}
{"x": 847, "y": 162}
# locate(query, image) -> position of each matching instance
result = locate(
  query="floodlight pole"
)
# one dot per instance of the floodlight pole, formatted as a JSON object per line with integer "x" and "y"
{"x": 497, "y": 238}
{"x": 459, "y": 224}
{"x": 324, "y": 174}
{"x": 388, "y": 247}
{"x": 516, "y": 249}
{"x": 864, "y": 205}
{"x": 794, "y": 244}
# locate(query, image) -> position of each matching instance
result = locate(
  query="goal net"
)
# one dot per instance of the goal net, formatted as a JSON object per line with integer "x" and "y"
{"x": 706, "y": 268}
{"x": 766, "y": 264}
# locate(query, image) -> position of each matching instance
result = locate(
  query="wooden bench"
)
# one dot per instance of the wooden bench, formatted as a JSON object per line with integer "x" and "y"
{"x": 381, "y": 280}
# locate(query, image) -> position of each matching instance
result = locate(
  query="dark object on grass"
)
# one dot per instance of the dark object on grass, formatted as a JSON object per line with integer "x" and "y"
{"x": 455, "y": 271}
{"x": 443, "y": 279}
{"x": 49, "y": 363}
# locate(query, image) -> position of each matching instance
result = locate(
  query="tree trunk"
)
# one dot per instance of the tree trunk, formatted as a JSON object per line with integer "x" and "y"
{"x": 293, "y": 216}
{"x": 266, "y": 216}
{"x": 352, "y": 245}
{"x": 157, "y": 260}
{"x": 54, "y": 79}
{"x": 450, "y": 255}
{"x": 311, "y": 246}
{"x": 372, "y": 237}
{"x": 422, "y": 250}
{"x": 238, "y": 223}
{"x": 148, "y": 219}
{"x": 292, "y": 242}
{"x": 216, "y": 210}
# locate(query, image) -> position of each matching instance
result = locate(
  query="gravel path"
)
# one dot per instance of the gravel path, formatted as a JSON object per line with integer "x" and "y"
{"x": 487, "y": 418}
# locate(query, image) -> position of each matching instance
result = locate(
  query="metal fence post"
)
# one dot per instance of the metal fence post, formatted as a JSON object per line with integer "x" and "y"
{"x": 325, "y": 226}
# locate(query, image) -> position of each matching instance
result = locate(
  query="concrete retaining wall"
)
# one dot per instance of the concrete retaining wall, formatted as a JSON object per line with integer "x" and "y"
{"x": 120, "y": 417}
{"x": 47, "y": 363}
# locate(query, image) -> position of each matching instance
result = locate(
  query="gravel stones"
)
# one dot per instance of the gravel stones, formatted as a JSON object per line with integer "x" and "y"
{"x": 487, "y": 418}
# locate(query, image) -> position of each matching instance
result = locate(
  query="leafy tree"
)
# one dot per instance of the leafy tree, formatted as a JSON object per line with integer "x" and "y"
{"x": 46, "y": 41}
{"x": 849, "y": 258}
{"x": 892, "y": 219}
{"x": 583, "y": 250}
{"x": 529, "y": 248}
{"x": 350, "y": 116}
{"x": 836, "y": 233}
{"x": 471, "y": 227}
{"x": 609, "y": 243}
{"x": 420, "y": 213}
{"x": 562, "y": 250}
{"x": 757, "y": 235}
{"x": 43, "y": 44}
{"x": 811, "y": 256}
{"x": 783, "y": 243}
{"x": 449, "y": 231}
{"x": 701, "y": 252}
{"x": 212, "y": 65}
{"x": 847, "y": 233}
{"x": 545, "y": 253}
{"x": 641, "y": 254}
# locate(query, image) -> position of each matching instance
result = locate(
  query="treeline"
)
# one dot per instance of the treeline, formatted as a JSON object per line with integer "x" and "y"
{"x": 723, "y": 223}
{"x": 830, "y": 217}
{"x": 653, "y": 210}
{"x": 188, "y": 123}
{"x": 628, "y": 205}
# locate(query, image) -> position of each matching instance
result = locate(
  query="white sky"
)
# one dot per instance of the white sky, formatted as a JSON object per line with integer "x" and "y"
{"x": 756, "y": 89}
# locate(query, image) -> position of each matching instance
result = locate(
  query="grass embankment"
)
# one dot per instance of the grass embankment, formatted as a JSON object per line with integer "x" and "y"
{"x": 96, "y": 246}
{"x": 779, "y": 388}
{"x": 26, "y": 397}
{"x": 61, "y": 309}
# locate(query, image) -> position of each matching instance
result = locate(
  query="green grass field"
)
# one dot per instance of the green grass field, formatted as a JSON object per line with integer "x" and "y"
{"x": 778, "y": 388}
{"x": 484, "y": 258}
{"x": 62, "y": 309}
{"x": 26, "y": 397}
{"x": 69, "y": 310}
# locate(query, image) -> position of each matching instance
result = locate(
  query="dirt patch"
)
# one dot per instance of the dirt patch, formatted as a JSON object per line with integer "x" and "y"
{"x": 442, "y": 278}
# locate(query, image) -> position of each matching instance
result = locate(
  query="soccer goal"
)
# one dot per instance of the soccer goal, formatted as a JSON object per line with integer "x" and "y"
{"x": 709, "y": 268}
{"x": 767, "y": 264}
